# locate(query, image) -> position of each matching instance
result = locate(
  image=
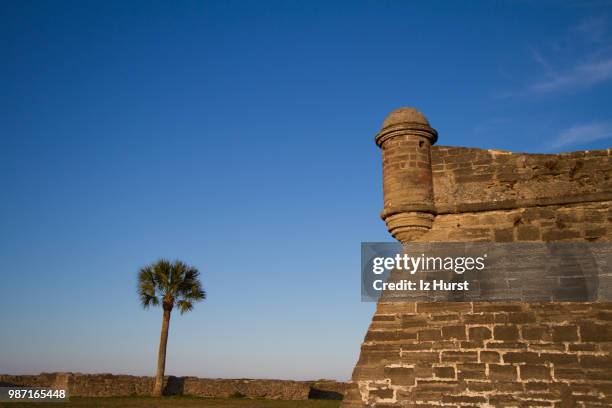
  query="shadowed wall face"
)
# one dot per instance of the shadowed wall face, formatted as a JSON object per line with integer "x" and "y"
{"x": 492, "y": 353}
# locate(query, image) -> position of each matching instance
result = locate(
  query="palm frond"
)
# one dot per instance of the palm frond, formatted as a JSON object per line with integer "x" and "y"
{"x": 163, "y": 269}
{"x": 147, "y": 285}
{"x": 184, "y": 306}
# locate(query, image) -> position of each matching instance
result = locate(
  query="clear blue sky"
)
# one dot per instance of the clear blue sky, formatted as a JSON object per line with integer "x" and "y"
{"x": 238, "y": 137}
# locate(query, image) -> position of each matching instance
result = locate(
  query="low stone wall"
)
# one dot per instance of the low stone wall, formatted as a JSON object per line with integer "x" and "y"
{"x": 271, "y": 389}
{"x": 45, "y": 380}
{"x": 107, "y": 385}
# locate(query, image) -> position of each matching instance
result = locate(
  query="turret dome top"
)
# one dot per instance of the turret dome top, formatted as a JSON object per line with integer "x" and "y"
{"x": 406, "y": 121}
{"x": 405, "y": 115}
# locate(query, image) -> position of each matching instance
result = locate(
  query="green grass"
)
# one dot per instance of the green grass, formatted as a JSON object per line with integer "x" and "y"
{"x": 179, "y": 402}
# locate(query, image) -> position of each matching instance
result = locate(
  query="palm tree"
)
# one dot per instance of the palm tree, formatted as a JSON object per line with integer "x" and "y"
{"x": 169, "y": 284}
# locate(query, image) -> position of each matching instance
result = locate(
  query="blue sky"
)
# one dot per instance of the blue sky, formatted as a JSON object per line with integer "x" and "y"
{"x": 238, "y": 137}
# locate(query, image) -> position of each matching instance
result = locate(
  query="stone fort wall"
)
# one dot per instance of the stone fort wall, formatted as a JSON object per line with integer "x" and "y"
{"x": 425, "y": 354}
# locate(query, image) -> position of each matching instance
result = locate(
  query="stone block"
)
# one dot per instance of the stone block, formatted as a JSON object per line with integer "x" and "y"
{"x": 430, "y": 334}
{"x": 595, "y": 332}
{"x": 479, "y": 333}
{"x": 499, "y": 372}
{"x": 444, "y": 372}
{"x": 564, "y": 333}
{"x": 403, "y": 376}
{"x": 539, "y": 333}
{"x": 459, "y": 356}
{"x": 534, "y": 372}
{"x": 413, "y": 357}
{"x": 453, "y": 332}
{"x": 471, "y": 371}
{"x": 489, "y": 356}
{"x": 506, "y": 333}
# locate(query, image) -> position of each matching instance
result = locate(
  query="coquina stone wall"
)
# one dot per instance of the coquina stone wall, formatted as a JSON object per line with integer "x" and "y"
{"x": 510, "y": 354}
{"x": 109, "y": 385}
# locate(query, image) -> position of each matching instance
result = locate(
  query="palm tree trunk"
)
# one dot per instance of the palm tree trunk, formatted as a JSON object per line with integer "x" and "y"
{"x": 161, "y": 356}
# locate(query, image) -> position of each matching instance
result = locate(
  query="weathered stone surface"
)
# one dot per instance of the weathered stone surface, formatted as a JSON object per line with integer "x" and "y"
{"x": 517, "y": 354}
